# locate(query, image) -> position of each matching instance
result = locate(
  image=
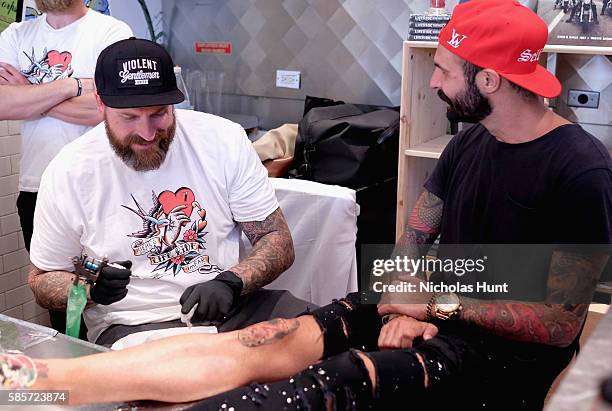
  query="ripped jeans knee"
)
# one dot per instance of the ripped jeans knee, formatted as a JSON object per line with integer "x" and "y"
{"x": 339, "y": 383}
{"x": 343, "y": 383}
{"x": 413, "y": 374}
{"x": 346, "y": 323}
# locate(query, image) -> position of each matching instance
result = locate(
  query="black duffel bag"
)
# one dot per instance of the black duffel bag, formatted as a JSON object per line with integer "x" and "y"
{"x": 352, "y": 145}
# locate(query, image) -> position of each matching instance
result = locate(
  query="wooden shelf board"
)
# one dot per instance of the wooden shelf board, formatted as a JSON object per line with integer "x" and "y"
{"x": 548, "y": 49}
{"x": 422, "y": 44}
{"x": 577, "y": 49}
{"x": 430, "y": 149}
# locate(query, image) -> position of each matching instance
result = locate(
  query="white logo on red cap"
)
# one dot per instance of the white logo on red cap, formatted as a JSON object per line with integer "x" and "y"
{"x": 529, "y": 56}
{"x": 456, "y": 39}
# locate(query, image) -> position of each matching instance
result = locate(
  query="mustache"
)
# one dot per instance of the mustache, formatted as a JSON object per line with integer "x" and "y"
{"x": 161, "y": 136}
{"x": 137, "y": 139}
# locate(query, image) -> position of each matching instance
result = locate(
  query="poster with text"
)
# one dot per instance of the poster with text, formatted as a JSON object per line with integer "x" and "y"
{"x": 585, "y": 23}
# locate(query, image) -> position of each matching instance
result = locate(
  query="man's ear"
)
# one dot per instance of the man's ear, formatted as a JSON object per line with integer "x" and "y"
{"x": 99, "y": 102}
{"x": 488, "y": 81}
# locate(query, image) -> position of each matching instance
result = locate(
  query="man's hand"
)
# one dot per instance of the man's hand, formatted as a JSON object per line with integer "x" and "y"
{"x": 111, "y": 285}
{"x": 401, "y": 332}
{"x": 215, "y": 298}
{"x": 416, "y": 311}
{"x": 177, "y": 219}
{"x": 9, "y": 75}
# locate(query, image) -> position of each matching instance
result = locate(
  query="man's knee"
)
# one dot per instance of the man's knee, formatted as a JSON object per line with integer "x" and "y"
{"x": 374, "y": 379}
{"x": 340, "y": 383}
{"x": 344, "y": 381}
{"x": 346, "y": 323}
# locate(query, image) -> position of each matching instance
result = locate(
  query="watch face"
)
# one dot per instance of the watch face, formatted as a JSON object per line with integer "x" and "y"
{"x": 447, "y": 303}
{"x": 447, "y": 308}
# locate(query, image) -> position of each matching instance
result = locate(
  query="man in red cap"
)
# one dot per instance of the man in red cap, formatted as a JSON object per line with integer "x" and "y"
{"x": 521, "y": 175}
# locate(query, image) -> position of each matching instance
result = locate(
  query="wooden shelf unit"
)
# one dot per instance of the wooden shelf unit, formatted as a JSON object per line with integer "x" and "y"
{"x": 423, "y": 127}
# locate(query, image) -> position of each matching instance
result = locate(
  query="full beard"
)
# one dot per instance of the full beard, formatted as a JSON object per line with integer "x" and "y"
{"x": 46, "y": 6}
{"x": 469, "y": 107}
{"x": 145, "y": 160}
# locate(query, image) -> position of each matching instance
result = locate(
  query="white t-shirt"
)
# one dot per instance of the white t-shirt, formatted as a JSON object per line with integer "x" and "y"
{"x": 211, "y": 168}
{"x": 44, "y": 54}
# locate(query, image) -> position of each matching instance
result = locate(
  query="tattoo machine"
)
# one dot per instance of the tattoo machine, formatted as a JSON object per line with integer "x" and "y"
{"x": 86, "y": 269}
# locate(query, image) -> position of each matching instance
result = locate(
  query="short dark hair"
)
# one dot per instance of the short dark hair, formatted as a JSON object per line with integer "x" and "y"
{"x": 523, "y": 92}
{"x": 470, "y": 70}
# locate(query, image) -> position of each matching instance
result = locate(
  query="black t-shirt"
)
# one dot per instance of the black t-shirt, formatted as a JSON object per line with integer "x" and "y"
{"x": 554, "y": 189}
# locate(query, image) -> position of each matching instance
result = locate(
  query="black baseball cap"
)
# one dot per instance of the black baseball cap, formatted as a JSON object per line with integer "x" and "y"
{"x": 136, "y": 73}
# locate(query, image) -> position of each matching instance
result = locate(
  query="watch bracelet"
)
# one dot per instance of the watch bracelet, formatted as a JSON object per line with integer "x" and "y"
{"x": 429, "y": 311}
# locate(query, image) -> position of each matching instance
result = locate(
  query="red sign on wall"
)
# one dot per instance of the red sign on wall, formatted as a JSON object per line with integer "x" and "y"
{"x": 213, "y": 47}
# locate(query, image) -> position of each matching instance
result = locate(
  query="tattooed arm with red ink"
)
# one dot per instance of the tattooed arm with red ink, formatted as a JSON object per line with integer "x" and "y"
{"x": 557, "y": 321}
{"x": 422, "y": 229}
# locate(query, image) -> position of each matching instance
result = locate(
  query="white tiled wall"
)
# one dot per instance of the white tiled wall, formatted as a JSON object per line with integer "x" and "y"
{"x": 16, "y": 299}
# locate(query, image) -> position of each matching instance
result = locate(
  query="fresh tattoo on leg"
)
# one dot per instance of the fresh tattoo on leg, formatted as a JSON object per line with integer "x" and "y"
{"x": 20, "y": 371}
{"x": 267, "y": 332}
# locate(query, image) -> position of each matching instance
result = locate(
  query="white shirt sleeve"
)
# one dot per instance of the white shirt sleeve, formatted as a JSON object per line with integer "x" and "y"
{"x": 251, "y": 195}
{"x": 118, "y": 31}
{"x": 9, "y": 47}
{"x": 58, "y": 223}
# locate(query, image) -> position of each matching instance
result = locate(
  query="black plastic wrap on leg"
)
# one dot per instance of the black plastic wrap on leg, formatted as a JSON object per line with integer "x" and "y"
{"x": 400, "y": 375}
{"x": 347, "y": 323}
{"x": 340, "y": 383}
{"x": 399, "y": 379}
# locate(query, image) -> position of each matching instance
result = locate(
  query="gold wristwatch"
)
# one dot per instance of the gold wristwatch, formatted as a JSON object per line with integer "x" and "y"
{"x": 443, "y": 306}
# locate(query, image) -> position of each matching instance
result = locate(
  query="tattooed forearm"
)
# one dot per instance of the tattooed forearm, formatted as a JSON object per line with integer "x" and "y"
{"x": 538, "y": 323}
{"x": 556, "y": 321}
{"x": 422, "y": 229}
{"x": 50, "y": 288}
{"x": 427, "y": 215}
{"x": 272, "y": 251}
{"x": 423, "y": 226}
{"x": 267, "y": 332}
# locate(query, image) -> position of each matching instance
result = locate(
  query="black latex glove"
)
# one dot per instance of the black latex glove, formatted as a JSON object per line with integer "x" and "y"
{"x": 215, "y": 298}
{"x": 111, "y": 285}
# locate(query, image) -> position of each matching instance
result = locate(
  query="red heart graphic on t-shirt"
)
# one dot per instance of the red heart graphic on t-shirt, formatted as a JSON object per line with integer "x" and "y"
{"x": 170, "y": 200}
{"x": 55, "y": 57}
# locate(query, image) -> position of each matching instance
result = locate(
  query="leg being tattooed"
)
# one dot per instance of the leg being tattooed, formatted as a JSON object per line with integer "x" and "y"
{"x": 177, "y": 369}
{"x": 190, "y": 367}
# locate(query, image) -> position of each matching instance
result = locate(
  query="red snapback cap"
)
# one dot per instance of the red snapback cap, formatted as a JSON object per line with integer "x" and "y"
{"x": 505, "y": 36}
